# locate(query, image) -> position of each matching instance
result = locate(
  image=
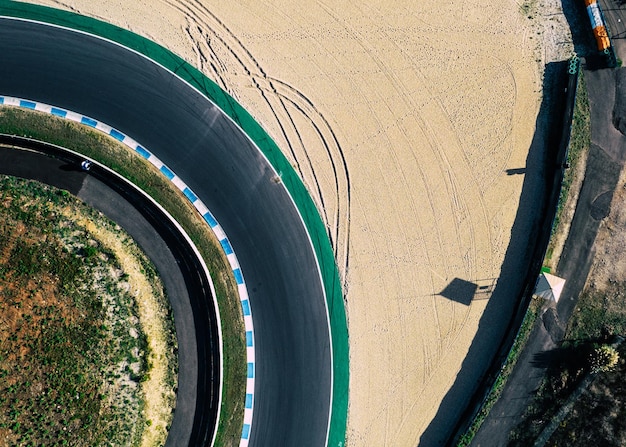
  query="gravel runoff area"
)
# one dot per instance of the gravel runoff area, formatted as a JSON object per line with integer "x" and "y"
{"x": 410, "y": 124}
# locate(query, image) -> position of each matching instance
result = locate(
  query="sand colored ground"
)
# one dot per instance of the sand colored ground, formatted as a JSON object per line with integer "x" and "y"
{"x": 402, "y": 118}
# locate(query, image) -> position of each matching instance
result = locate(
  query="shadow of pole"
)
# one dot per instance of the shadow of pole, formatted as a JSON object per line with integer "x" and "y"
{"x": 517, "y": 171}
{"x": 522, "y": 262}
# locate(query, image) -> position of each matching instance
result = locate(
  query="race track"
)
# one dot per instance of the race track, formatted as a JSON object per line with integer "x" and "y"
{"x": 204, "y": 148}
{"x": 181, "y": 273}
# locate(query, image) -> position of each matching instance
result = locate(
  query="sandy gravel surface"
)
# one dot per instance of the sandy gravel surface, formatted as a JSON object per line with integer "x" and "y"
{"x": 402, "y": 118}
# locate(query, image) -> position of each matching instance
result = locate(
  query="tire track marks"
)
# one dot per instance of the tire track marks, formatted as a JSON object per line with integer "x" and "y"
{"x": 331, "y": 145}
{"x": 458, "y": 204}
{"x": 429, "y": 355}
{"x": 220, "y": 53}
{"x": 469, "y": 222}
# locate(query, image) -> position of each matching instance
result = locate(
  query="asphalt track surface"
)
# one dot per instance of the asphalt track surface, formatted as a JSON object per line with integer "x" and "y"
{"x": 179, "y": 270}
{"x": 99, "y": 79}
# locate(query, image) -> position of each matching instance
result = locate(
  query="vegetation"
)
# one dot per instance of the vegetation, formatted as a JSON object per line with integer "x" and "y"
{"x": 603, "y": 358}
{"x": 73, "y": 354}
{"x": 584, "y": 382}
{"x": 507, "y": 368}
{"x": 580, "y": 141}
{"x": 599, "y": 413}
{"x": 597, "y": 416}
{"x": 130, "y": 165}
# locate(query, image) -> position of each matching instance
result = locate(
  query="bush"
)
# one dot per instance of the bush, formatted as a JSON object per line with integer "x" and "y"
{"x": 603, "y": 358}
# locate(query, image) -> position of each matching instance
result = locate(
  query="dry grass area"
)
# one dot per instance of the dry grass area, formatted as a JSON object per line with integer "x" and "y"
{"x": 402, "y": 118}
{"x": 153, "y": 312}
{"x": 86, "y": 342}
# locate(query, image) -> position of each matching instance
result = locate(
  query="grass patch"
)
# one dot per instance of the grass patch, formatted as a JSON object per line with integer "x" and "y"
{"x": 72, "y": 345}
{"x": 108, "y": 151}
{"x": 580, "y": 141}
{"x": 599, "y": 314}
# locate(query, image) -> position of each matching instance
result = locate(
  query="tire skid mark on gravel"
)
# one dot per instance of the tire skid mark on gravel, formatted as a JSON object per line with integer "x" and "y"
{"x": 432, "y": 200}
{"x": 426, "y": 371}
{"x": 317, "y": 121}
{"x": 206, "y": 22}
{"x": 208, "y": 64}
{"x": 296, "y": 145}
{"x": 300, "y": 103}
{"x": 399, "y": 87}
{"x": 277, "y": 112}
{"x": 65, "y": 5}
{"x": 255, "y": 78}
{"x": 455, "y": 195}
{"x": 428, "y": 366}
{"x": 428, "y": 192}
{"x": 460, "y": 207}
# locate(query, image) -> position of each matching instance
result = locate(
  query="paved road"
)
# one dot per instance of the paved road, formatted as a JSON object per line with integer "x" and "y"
{"x": 98, "y": 79}
{"x": 615, "y": 16}
{"x": 160, "y": 247}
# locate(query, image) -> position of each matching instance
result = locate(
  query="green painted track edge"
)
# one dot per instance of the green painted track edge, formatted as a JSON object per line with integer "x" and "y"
{"x": 293, "y": 183}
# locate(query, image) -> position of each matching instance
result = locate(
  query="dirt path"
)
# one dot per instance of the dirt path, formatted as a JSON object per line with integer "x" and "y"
{"x": 402, "y": 119}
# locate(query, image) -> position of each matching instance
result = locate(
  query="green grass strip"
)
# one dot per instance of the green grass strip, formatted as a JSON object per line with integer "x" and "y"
{"x": 293, "y": 183}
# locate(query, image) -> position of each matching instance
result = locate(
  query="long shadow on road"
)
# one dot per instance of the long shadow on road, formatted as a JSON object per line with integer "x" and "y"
{"x": 508, "y": 302}
{"x": 602, "y": 172}
{"x": 601, "y": 175}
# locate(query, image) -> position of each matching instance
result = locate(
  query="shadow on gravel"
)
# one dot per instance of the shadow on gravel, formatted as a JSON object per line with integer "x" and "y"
{"x": 516, "y": 171}
{"x": 460, "y": 290}
{"x": 521, "y": 265}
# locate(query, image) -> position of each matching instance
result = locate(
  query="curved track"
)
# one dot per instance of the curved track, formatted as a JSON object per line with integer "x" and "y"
{"x": 183, "y": 276}
{"x": 102, "y": 80}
